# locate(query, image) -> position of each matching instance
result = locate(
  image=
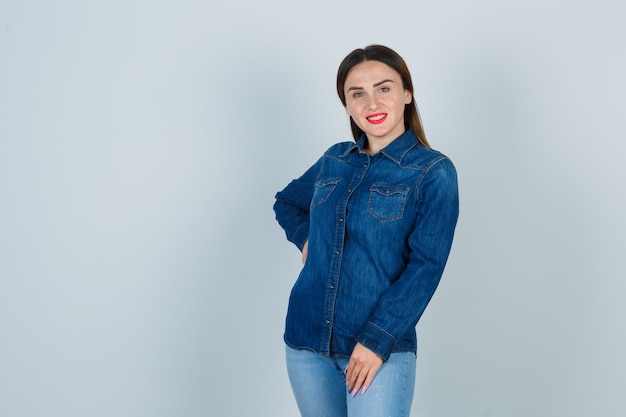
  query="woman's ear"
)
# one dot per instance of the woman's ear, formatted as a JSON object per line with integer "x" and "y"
{"x": 407, "y": 97}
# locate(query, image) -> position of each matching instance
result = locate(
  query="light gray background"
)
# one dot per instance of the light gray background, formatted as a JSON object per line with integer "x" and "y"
{"x": 141, "y": 144}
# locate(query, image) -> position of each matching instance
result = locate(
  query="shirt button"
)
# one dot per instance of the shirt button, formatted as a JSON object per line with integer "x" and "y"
{"x": 336, "y": 252}
{"x": 332, "y": 287}
{"x": 341, "y": 220}
{"x": 327, "y": 321}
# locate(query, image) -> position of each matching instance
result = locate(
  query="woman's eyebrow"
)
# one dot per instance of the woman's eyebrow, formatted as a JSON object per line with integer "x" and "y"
{"x": 382, "y": 82}
{"x": 374, "y": 85}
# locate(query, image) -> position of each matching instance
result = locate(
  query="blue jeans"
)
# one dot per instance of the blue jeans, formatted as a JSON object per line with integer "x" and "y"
{"x": 319, "y": 386}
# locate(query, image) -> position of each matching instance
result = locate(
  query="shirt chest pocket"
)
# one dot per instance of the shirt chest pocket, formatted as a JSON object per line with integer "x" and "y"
{"x": 387, "y": 202}
{"x": 323, "y": 190}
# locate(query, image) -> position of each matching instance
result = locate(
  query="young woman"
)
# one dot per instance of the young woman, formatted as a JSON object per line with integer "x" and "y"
{"x": 374, "y": 219}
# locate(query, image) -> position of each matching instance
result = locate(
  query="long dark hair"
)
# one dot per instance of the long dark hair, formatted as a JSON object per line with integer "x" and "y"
{"x": 391, "y": 58}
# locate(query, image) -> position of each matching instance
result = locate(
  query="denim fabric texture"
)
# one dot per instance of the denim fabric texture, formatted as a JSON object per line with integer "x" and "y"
{"x": 380, "y": 228}
{"x": 319, "y": 386}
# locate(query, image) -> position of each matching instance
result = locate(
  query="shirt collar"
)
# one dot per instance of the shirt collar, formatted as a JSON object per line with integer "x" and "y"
{"x": 396, "y": 149}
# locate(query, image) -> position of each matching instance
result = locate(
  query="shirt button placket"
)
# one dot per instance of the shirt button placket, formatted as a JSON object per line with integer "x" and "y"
{"x": 340, "y": 231}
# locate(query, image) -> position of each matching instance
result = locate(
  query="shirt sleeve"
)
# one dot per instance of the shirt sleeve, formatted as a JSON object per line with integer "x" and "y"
{"x": 400, "y": 307}
{"x": 292, "y": 206}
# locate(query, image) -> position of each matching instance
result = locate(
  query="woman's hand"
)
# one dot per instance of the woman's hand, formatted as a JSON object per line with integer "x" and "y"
{"x": 305, "y": 251}
{"x": 362, "y": 368}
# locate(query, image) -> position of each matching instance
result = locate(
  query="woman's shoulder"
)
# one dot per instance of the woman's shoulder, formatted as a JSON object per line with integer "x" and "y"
{"x": 424, "y": 157}
{"x": 340, "y": 149}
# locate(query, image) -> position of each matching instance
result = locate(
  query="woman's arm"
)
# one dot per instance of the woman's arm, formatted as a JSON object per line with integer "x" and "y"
{"x": 292, "y": 206}
{"x": 403, "y": 303}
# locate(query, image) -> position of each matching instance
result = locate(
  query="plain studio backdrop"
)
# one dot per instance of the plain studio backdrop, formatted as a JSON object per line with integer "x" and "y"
{"x": 141, "y": 144}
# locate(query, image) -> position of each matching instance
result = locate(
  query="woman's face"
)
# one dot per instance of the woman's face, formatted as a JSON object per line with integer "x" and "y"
{"x": 375, "y": 99}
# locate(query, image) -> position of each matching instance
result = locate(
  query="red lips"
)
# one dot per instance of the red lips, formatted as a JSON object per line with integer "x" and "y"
{"x": 376, "y": 118}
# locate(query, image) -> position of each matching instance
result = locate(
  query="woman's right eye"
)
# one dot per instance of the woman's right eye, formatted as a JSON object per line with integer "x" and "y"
{"x": 357, "y": 95}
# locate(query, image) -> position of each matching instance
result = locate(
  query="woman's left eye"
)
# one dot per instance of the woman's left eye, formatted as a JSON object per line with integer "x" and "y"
{"x": 384, "y": 89}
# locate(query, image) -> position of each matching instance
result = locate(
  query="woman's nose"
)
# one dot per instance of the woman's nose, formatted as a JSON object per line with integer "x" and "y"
{"x": 372, "y": 102}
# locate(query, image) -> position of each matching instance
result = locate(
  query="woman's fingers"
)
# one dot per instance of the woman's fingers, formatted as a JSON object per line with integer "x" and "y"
{"x": 361, "y": 370}
{"x": 362, "y": 380}
{"x": 369, "y": 378}
{"x": 354, "y": 380}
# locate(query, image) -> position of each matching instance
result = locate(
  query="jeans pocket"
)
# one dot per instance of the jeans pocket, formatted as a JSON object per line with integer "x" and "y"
{"x": 386, "y": 202}
{"x": 323, "y": 189}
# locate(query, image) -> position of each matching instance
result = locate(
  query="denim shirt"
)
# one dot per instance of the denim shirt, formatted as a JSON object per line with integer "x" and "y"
{"x": 379, "y": 228}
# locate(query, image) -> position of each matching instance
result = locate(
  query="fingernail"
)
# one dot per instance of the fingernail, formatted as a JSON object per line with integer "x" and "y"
{"x": 363, "y": 391}
{"x": 354, "y": 391}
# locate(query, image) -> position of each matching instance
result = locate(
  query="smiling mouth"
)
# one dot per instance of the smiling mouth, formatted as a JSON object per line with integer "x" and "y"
{"x": 376, "y": 118}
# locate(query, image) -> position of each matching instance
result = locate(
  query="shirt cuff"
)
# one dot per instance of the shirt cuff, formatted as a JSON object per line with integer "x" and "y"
{"x": 377, "y": 340}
